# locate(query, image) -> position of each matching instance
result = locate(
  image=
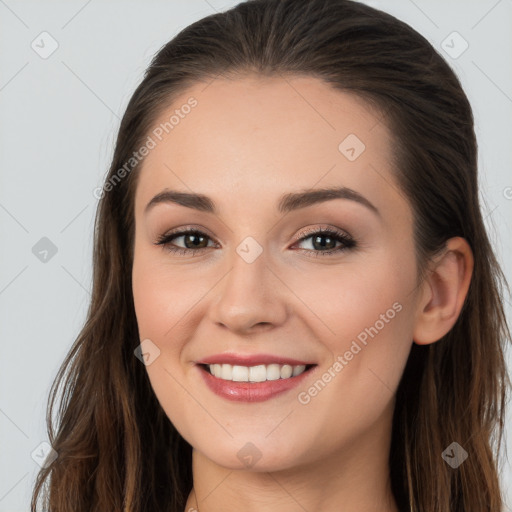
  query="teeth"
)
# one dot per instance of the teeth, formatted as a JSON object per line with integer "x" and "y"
{"x": 240, "y": 373}
{"x": 258, "y": 373}
{"x": 286, "y": 371}
{"x": 297, "y": 370}
{"x": 273, "y": 372}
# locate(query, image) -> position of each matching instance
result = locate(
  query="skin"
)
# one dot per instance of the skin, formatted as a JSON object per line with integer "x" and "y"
{"x": 248, "y": 141}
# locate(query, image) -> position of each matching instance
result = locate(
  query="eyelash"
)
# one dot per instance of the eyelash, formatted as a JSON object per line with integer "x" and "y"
{"x": 347, "y": 241}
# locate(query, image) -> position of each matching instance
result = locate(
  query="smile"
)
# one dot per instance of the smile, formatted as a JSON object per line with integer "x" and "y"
{"x": 253, "y": 383}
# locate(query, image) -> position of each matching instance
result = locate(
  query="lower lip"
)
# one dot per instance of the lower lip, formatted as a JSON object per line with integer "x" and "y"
{"x": 251, "y": 391}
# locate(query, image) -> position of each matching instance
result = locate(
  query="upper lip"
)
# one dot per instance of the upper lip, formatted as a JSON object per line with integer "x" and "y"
{"x": 251, "y": 360}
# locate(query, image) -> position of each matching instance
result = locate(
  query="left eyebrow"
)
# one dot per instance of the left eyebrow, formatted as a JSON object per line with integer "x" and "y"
{"x": 287, "y": 203}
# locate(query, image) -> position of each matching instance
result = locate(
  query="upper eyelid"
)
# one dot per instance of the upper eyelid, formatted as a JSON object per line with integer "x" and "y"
{"x": 322, "y": 229}
{"x": 186, "y": 230}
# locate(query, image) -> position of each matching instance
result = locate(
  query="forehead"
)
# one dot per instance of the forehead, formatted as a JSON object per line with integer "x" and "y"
{"x": 263, "y": 137}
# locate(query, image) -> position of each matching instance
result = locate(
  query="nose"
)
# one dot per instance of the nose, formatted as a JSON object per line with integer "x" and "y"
{"x": 250, "y": 297}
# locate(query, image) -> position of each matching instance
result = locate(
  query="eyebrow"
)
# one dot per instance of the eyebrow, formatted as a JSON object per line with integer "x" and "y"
{"x": 287, "y": 203}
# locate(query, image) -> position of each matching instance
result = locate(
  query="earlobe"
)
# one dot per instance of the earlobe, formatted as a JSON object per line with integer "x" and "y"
{"x": 445, "y": 290}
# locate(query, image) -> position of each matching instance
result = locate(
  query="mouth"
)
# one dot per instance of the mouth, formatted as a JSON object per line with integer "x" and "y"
{"x": 253, "y": 383}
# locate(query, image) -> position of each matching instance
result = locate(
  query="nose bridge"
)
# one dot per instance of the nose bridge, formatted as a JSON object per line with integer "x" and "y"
{"x": 248, "y": 279}
{"x": 249, "y": 294}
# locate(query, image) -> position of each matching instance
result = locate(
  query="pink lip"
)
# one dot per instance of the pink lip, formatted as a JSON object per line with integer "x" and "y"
{"x": 251, "y": 391}
{"x": 251, "y": 360}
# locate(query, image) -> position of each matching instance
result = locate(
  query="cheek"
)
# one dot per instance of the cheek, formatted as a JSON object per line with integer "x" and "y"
{"x": 156, "y": 305}
{"x": 352, "y": 298}
{"x": 366, "y": 321}
{"x": 370, "y": 323}
{"x": 151, "y": 300}
{"x": 169, "y": 305}
{"x": 162, "y": 295}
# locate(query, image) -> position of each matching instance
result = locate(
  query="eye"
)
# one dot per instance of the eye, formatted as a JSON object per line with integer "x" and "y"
{"x": 332, "y": 236}
{"x": 195, "y": 241}
{"x": 192, "y": 238}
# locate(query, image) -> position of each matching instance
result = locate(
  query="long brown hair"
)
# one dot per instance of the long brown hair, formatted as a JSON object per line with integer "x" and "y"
{"x": 117, "y": 450}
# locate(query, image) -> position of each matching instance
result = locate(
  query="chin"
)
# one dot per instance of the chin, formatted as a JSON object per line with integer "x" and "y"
{"x": 258, "y": 455}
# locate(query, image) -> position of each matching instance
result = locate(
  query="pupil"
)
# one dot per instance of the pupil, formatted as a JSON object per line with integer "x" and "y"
{"x": 191, "y": 236}
{"x": 322, "y": 245}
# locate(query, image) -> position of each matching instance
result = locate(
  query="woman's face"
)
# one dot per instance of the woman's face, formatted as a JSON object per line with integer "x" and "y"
{"x": 260, "y": 280}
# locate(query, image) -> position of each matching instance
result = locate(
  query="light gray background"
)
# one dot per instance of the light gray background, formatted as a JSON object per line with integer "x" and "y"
{"x": 58, "y": 120}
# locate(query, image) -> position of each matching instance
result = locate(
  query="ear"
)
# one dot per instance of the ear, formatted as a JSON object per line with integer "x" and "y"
{"x": 444, "y": 291}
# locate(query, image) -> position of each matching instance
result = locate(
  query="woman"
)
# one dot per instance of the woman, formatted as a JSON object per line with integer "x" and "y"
{"x": 223, "y": 364}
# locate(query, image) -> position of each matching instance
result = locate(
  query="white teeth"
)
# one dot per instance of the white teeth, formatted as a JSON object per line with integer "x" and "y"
{"x": 216, "y": 370}
{"x": 297, "y": 370}
{"x": 240, "y": 373}
{"x": 258, "y": 373}
{"x": 286, "y": 371}
{"x": 226, "y": 372}
{"x": 273, "y": 372}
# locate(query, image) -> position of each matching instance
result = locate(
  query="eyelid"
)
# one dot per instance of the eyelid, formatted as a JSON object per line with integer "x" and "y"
{"x": 188, "y": 227}
{"x": 323, "y": 229}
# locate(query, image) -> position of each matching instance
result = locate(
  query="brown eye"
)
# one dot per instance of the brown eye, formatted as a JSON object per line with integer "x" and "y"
{"x": 324, "y": 241}
{"x": 193, "y": 240}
